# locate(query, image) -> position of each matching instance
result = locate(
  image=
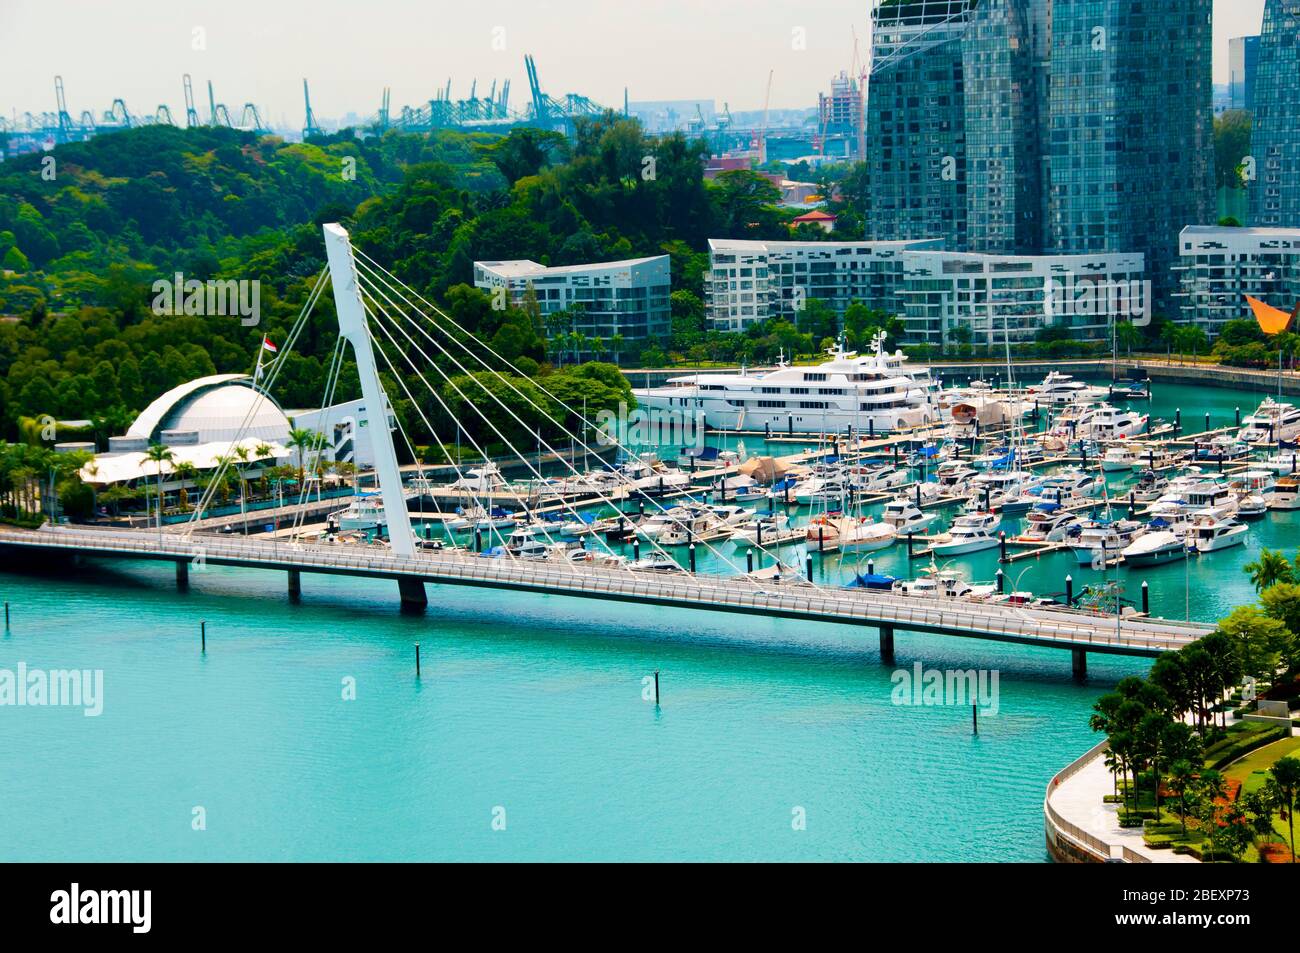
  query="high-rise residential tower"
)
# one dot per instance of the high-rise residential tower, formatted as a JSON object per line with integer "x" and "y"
{"x": 1064, "y": 127}
{"x": 916, "y": 122}
{"x": 1131, "y": 129}
{"x": 1275, "y": 142}
{"x": 1243, "y": 60}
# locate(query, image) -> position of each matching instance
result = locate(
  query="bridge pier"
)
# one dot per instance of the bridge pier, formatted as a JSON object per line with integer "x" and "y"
{"x": 413, "y": 597}
{"x": 887, "y": 644}
{"x": 1079, "y": 659}
{"x": 295, "y": 585}
{"x": 182, "y": 575}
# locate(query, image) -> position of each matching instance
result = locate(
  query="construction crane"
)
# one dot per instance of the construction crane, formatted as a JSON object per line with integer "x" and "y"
{"x": 191, "y": 114}
{"x": 65, "y": 131}
{"x": 309, "y": 127}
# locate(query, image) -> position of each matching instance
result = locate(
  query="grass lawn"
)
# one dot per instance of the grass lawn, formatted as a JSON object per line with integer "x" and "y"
{"x": 1252, "y": 772}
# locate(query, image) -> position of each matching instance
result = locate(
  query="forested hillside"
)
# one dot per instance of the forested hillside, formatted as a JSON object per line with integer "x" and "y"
{"x": 87, "y": 229}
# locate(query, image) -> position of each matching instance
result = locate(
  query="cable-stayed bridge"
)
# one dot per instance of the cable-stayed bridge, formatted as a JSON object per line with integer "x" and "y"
{"x": 389, "y": 327}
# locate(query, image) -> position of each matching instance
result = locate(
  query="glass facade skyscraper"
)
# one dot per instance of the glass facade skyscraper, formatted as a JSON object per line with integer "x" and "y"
{"x": 1275, "y": 142}
{"x": 916, "y": 122}
{"x": 1005, "y": 186}
{"x": 1075, "y": 126}
{"x": 1131, "y": 129}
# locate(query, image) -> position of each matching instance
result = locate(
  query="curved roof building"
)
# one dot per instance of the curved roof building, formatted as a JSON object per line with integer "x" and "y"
{"x": 222, "y": 407}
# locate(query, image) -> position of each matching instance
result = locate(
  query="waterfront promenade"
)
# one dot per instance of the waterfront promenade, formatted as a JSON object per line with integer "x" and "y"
{"x": 1081, "y": 827}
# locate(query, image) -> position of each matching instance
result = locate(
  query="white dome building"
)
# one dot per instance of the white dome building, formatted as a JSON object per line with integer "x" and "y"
{"x": 222, "y": 407}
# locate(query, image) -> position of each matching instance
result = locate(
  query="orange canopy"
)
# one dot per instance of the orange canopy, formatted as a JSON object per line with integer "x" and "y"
{"x": 1271, "y": 320}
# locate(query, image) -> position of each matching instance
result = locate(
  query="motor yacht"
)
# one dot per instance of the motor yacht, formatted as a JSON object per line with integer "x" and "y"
{"x": 1058, "y": 388}
{"x": 1122, "y": 456}
{"x": 1270, "y": 423}
{"x": 366, "y": 511}
{"x": 1108, "y": 538}
{"x": 906, "y": 517}
{"x": 1048, "y": 523}
{"x": 938, "y": 583}
{"x": 969, "y": 533}
{"x": 1285, "y": 494}
{"x": 1207, "y": 533}
{"x": 876, "y": 393}
{"x": 1155, "y": 548}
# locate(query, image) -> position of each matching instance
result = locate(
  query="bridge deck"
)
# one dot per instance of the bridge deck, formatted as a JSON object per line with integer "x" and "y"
{"x": 1046, "y": 627}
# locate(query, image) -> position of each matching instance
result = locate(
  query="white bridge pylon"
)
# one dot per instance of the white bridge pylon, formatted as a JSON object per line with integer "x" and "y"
{"x": 353, "y": 326}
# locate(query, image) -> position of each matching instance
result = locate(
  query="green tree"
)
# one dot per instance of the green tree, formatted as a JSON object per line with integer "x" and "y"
{"x": 1258, "y": 640}
{"x": 157, "y": 454}
{"x": 1284, "y": 785}
{"x": 1270, "y": 569}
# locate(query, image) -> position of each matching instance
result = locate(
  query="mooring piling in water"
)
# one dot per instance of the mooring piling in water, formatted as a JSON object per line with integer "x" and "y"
{"x": 203, "y": 634}
{"x": 417, "y": 659}
{"x": 656, "y": 686}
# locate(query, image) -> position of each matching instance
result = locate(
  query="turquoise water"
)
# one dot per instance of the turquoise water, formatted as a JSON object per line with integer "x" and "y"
{"x": 534, "y": 705}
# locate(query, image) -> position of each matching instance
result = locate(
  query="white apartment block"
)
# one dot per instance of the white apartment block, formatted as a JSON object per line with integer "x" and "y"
{"x": 750, "y": 281}
{"x": 1011, "y": 297}
{"x": 1218, "y": 267}
{"x": 934, "y": 291}
{"x": 629, "y": 298}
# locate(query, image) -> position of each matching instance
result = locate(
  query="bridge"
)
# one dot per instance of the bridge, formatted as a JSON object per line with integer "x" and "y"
{"x": 373, "y": 309}
{"x": 1079, "y": 632}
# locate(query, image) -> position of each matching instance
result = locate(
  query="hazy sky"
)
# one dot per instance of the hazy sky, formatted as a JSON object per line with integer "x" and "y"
{"x": 351, "y": 49}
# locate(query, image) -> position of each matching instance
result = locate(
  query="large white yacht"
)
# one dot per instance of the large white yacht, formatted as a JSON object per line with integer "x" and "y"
{"x": 1271, "y": 422}
{"x": 878, "y": 392}
{"x": 1058, "y": 388}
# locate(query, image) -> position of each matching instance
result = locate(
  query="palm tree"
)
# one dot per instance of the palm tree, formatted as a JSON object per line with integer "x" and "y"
{"x": 185, "y": 472}
{"x": 158, "y": 455}
{"x": 1181, "y": 777}
{"x": 616, "y": 344}
{"x": 1128, "y": 335}
{"x": 301, "y": 439}
{"x": 1285, "y": 787}
{"x": 1270, "y": 569}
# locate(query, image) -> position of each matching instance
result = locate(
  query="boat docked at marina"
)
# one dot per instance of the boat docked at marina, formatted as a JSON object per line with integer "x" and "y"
{"x": 905, "y": 516}
{"x": 737, "y": 488}
{"x": 1272, "y": 422}
{"x": 1103, "y": 422}
{"x": 936, "y": 583}
{"x": 1158, "y": 546}
{"x": 1122, "y": 456}
{"x": 1100, "y": 540}
{"x": 366, "y": 511}
{"x": 1208, "y": 533}
{"x": 478, "y": 481}
{"x": 969, "y": 533}
{"x": 767, "y": 531}
{"x": 1058, "y": 388}
{"x": 1048, "y": 523}
{"x": 1285, "y": 494}
{"x": 832, "y": 533}
{"x": 1284, "y": 461}
{"x": 874, "y": 393}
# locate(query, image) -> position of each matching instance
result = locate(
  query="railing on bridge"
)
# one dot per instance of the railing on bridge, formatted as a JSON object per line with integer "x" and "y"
{"x": 1063, "y": 628}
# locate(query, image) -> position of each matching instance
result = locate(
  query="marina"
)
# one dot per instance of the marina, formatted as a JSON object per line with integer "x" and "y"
{"x": 744, "y": 600}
